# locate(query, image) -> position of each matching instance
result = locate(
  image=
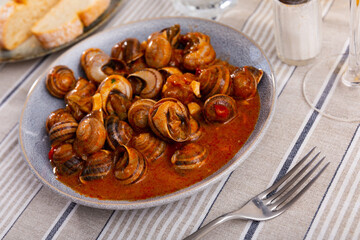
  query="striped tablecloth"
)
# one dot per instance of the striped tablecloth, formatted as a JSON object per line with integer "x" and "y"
{"x": 330, "y": 210}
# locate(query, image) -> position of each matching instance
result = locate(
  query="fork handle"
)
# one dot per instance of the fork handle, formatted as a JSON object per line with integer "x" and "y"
{"x": 210, "y": 226}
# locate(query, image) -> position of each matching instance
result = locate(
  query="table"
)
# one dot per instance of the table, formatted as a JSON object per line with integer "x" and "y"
{"x": 330, "y": 210}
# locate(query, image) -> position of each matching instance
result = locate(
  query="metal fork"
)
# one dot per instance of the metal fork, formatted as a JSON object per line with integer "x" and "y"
{"x": 270, "y": 203}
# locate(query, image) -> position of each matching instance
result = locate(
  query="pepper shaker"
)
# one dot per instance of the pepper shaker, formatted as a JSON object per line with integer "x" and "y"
{"x": 298, "y": 30}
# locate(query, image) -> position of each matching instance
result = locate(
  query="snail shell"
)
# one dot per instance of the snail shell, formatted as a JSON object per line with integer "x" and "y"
{"x": 150, "y": 146}
{"x": 158, "y": 50}
{"x": 151, "y": 82}
{"x": 245, "y": 82}
{"x": 62, "y": 131}
{"x": 189, "y": 156}
{"x": 112, "y": 83}
{"x": 214, "y": 80}
{"x": 130, "y": 166}
{"x": 195, "y": 129}
{"x": 198, "y": 51}
{"x": 65, "y": 160}
{"x": 168, "y": 71}
{"x": 79, "y": 99}
{"x": 138, "y": 113}
{"x": 97, "y": 166}
{"x": 127, "y": 50}
{"x": 90, "y": 136}
{"x": 59, "y": 115}
{"x": 118, "y": 132}
{"x": 172, "y": 34}
{"x": 60, "y": 80}
{"x": 92, "y": 60}
{"x": 219, "y": 108}
{"x": 170, "y": 120}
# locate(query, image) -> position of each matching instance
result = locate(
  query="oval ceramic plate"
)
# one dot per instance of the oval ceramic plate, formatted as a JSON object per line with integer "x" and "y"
{"x": 229, "y": 44}
{"x": 32, "y": 48}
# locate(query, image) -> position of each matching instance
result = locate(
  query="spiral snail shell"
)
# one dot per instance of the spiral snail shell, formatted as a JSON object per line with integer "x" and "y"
{"x": 149, "y": 145}
{"x": 138, "y": 113}
{"x": 130, "y": 165}
{"x": 65, "y": 160}
{"x": 91, "y": 133}
{"x": 127, "y": 50}
{"x": 214, "y": 80}
{"x": 97, "y": 166}
{"x": 198, "y": 51}
{"x": 158, "y": 50}
{"x": 60, "y": 80}
{"x": 59, "y": 115}
{"x": 118, "y": 132}
{"x": 150, "y": 82}
{"x": 63, "y": 131}
{"x": 92, "y": 61}
{"x": 190, "y": 156}
{"x": 245, "y": 82}
{"x": 170, "y": 120}
{"x": 219, "y": 108}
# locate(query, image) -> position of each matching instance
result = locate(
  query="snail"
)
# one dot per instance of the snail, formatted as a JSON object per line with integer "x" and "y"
{"x": 60, "y": 80}
{"x": 190, "y": 156}
{"x": 170, "y": 120}
{"x": 220, "y": 108}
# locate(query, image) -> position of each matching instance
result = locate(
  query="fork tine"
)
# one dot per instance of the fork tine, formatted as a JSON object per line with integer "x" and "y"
{"x": 281, "y": 200}
{"x": 286, "y": 176}
{"x": 291, "y": 181}
{"x": 307, "y": 186}
{"x": 303, "y": 190}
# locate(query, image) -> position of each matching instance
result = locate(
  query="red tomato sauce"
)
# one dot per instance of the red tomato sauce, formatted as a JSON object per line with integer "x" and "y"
{"x": 222, "y": 140}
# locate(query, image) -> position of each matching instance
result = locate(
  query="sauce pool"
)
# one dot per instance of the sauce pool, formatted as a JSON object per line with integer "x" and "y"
{"x": 222, "y": 140}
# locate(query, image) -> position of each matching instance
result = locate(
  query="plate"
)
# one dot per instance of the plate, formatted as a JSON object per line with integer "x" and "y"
{"x": 32, "y": 48}
{"x": 230, "y": 45}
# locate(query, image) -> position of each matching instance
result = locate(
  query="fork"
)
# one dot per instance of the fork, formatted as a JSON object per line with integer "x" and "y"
{"x": 270, "y": 203}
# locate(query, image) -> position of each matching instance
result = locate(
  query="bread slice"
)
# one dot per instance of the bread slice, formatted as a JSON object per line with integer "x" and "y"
{"x": 63, "y": 22}
{"x": 93, "y": 11}
{"x": 17, "y": 18}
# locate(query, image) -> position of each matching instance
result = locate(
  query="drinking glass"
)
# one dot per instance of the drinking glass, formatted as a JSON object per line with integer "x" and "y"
{"x": 203, "y": 8}
{"x": 332, "y": 85}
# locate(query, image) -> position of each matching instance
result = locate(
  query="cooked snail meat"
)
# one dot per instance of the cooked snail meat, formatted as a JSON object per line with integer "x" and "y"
{"x": 60, "y": 80}
{"x": 114, "y": 83}
{"x": 150, "y": 146}
{"x": 118, "y": 104}
{"x": 130, "y": 166}
{"x": 220, "y": 108}
{"x": 169, "y": 119}
{"x": 118, "y": 132}
{"x": 190, "y": 156}
{"x": 183, "y": 87}
{"x": 79, "y": 99}
{"x": 97, "y": 166}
